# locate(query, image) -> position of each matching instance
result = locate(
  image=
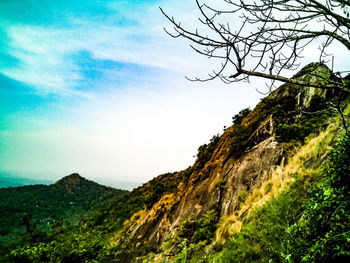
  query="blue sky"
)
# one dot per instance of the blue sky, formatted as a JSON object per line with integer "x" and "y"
{"x": 98, "y": 88}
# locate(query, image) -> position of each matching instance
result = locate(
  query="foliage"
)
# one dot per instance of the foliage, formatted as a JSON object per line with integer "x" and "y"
{"x": 239, "y": 137}
{"x": 90, "y": 241}
{"x": 264, "y": 231}
{"x": 205, "y": 227}
{"x": 74, "y": 247}
{"x": 202, "y": 229}
{"x": 198, "y": 233}
{"x": 323, "y": 233}
{"x": 182, "y": 256}
{"x": 292, "y": 126}
{"x": 164, "y": 184}
{"x": 276, "y": 232}
{"x": 206, "y": 151}
{"x": 242, "y": 196}
{"x": 303, "y": 224}
{"x": 220, "y": 183}
{"x": 237, "y": 119}
{"x": 29, "y": 214}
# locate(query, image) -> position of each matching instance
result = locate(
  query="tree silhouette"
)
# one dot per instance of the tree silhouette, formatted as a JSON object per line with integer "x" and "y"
{"x": 266, "y": 38}
{"x": 270, "y": 39}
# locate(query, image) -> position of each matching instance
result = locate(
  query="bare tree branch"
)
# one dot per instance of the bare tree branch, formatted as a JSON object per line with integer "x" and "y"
{"x": 270, "y": 39}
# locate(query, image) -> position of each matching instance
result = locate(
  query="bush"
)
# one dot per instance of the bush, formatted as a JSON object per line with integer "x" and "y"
{"x": 239, "y": 135}
{"x": 237, "y": 119}
{"x": 242, "y": 196}
{"x": 292, "y": 126}
{"x": 323, "y": 233}
{"x": 205, "y": 151}
{"x": 205, "y": 227}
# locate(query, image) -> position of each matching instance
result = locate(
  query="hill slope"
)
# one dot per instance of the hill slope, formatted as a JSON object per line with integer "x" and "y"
{"x": 34, "y": 208}
{"x": 241, "y": 201}
{"x": 239, "y": 160}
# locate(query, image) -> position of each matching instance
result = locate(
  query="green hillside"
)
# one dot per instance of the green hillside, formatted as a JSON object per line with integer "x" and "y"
{"x": 29, "y": 213}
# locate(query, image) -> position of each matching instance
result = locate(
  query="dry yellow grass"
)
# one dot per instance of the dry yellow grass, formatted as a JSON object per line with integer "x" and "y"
{"x": 315, "y": 147}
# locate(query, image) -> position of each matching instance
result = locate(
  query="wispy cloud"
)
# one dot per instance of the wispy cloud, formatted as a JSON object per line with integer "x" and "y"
{"x": 46, "y": 54}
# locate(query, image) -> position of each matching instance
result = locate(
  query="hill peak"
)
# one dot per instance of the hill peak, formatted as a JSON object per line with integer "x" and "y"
{"x": 74, "y": 177}
{"x": 72, "y": 182}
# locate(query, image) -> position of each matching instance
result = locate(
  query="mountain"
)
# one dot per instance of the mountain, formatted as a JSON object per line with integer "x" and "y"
{"x": 273, "y": 187}
{"x": 41, "y": 206}
{"x": 252, "y": 162}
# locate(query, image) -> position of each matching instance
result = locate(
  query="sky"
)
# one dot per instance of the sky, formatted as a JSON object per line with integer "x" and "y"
{"x": 97, "y": 87}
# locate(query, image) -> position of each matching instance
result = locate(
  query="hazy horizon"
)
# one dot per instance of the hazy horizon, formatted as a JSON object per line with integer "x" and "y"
{"x": 11, "y": 180}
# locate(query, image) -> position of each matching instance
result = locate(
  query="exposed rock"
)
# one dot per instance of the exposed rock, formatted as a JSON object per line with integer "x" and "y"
{"x": 203, "y": 193}
{"x": 218, "y": 184}
{"x": 250, "y": 172}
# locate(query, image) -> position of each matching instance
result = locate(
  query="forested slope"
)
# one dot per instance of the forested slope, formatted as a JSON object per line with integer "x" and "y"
{"x": 28, "y": 213}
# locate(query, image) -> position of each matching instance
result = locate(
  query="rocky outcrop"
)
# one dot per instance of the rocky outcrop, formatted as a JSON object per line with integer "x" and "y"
{"x": 216, "y": 187}
{"x": 250, "y": 172}
{"x": 218, "y": 184}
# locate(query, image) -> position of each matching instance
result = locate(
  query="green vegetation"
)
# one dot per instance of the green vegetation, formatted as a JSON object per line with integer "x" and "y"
{"x": 95, "y": 230}
{"x": 205, "y": 227}
{"x": 262, "y": 236}
{"x": 306, "y": 222}
{"x": 193, "y": 237}
{"x": 240, "y": 133}
{"x": 238, "y": 118}
{"x": 206, "y": 151}
{"x": 242, "y": 196}
{"x": 194, "y": 231}
{"x": 309, "y": 222}
{"x": 239, "y": 138}
{"x": 163, "y": 184}
{"x": 296, "y": 215}
{"x": 32, "y": 214}
{"x": 293, "y": 127}
{"x": 323, "y": 233}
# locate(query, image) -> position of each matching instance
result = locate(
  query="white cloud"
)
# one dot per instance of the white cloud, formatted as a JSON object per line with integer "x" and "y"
{"x": 46, "y": 54}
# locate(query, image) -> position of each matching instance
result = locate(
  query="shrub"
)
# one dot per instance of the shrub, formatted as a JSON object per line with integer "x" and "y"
{"x": 205, "y": 151}
{"x": 262, "y": 237}
{"x": 292, "y": 126}
{"x": 242, "y": 196}
{"x": 323, "y": 233}
{"x": 239, "y": 135}
{"x": 237, "y": 119}
{"x": 205, "y": 227}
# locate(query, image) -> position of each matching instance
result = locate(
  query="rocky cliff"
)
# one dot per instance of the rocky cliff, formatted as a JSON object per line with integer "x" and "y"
{"x": 243, "y": 159}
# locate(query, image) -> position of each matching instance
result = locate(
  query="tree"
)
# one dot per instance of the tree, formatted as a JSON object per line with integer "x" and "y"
{"x": 270, "y": 39}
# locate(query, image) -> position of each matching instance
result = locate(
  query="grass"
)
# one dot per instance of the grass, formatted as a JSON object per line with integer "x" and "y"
{"x": 315, "y": 149}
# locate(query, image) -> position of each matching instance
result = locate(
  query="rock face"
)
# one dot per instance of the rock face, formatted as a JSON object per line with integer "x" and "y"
{"x": 252, "y": 170}
{"x": 218, "y": 184}
{"x": 216, "y": 187}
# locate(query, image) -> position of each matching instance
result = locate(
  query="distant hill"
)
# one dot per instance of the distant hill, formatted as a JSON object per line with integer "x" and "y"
{"x": 14, "y": 181}
{"x": 38, "y": 207}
